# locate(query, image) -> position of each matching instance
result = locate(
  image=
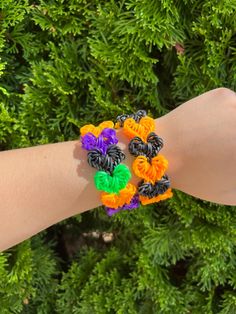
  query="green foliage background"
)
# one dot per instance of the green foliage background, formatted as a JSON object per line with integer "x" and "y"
{"x": 67, "y": 63}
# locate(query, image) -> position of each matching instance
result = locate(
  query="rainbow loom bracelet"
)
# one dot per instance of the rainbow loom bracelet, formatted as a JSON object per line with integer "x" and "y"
{"x": 112, "y": 177}
{"x": 148, "y": 165}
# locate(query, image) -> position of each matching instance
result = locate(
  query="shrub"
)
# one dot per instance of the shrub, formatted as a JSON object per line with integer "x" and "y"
{"x": 67, "y": 63}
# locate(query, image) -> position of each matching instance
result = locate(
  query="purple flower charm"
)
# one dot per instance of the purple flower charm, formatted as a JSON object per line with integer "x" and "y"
{"x": 110, "y": 136}
{"x": 106, "y": 138}
{"x": 133, "y": 204}
{"x": 89, "y": 141}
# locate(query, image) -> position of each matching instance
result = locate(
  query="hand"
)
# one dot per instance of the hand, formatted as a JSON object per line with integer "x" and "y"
{"x": 200, "y": 145}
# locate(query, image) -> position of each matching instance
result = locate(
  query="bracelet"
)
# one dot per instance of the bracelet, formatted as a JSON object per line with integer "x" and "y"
{"x": 112, "y": 177}
{"x": 149, "y": 165}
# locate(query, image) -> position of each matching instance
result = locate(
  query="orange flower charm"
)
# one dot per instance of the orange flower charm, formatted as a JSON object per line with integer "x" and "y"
{"x": 96, "y": 130}
{"x": 124, "y": 197}
{"x": 150, "y": 172}
{"x": 145, "y": 200}
{"x": 145, "y": 126}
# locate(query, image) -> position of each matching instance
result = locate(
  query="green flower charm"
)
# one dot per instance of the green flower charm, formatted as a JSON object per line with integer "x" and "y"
{"x": 115, "y": 182}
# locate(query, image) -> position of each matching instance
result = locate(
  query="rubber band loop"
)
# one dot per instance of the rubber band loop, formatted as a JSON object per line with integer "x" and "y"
{"x": 146, "y": 200}
{"x": 115, "y": 182}
{"x": 106, "y": 156}
{"x": 124, "y": 197}
{"x": 96, "y": 130}
{"x": 150, "y": 171}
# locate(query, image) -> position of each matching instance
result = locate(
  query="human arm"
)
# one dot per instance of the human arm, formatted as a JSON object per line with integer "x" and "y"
{"x": 45, "y": 184}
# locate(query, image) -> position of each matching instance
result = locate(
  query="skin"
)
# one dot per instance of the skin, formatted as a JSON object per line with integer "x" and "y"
{"x": 201, "y": 133}
{"x": 45, "y": 184}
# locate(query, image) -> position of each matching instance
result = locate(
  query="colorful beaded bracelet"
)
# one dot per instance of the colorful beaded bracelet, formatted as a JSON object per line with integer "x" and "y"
{"x": 148, "y": 165}
{"x": 112, "y": 177}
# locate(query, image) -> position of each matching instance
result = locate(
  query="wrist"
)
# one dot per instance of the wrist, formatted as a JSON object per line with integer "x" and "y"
{"x": 171, "y": 149}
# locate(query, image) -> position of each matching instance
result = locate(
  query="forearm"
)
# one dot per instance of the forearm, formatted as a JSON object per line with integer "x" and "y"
{"x": 41, "y": 186}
